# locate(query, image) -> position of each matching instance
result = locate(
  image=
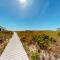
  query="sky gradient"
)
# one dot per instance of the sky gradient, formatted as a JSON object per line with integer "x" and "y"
{"x": 36, "y": 15}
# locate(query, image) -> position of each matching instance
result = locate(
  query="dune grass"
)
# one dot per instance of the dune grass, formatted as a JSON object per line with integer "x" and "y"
{"x": 4, "y": 39}
{"x": 53, "y": 38}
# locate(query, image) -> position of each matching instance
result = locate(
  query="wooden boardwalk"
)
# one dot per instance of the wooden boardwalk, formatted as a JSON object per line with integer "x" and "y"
{"x": 14, "y": 50}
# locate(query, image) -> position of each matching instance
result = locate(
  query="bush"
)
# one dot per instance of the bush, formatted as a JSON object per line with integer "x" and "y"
{"x": 42, "y": 40}
{"x": 35, "y": 56}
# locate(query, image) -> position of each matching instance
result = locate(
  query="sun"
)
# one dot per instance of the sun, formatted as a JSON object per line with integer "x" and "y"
{"x": 23, "y": 3}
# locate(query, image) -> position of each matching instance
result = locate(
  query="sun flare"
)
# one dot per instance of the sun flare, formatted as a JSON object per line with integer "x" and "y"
{"x": 23, "y": 3}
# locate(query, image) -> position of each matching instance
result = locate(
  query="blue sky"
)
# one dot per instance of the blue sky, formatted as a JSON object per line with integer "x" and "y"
{"x": 36, "y": 15}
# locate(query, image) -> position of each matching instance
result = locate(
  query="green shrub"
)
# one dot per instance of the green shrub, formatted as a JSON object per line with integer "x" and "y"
{"x": 35, "y": 56}
{"x": 42, "y": 40}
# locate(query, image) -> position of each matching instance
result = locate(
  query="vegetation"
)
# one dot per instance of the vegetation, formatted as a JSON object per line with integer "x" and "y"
{"x": 4, "y": 39}
{"x": 35, "y": 56}
{"x": 42, "y": 40}
{"x": 46, "y": 40}
{"x": 58, "y": 33}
